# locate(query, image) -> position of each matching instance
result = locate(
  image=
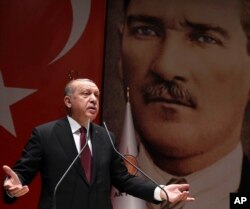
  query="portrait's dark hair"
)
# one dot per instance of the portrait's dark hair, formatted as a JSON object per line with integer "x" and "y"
{"x": 125, "y": 5}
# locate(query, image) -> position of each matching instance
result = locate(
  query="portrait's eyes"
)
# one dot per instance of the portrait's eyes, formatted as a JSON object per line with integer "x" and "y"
{"x": 145, "y": 31}
{"x": 202, "y": 38}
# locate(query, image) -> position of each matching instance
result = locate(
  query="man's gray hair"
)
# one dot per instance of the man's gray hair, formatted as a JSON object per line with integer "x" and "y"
{"x": 69, "y": 88}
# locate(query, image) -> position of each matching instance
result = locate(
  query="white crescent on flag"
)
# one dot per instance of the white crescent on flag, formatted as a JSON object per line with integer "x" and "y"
{"x": 81, "y": 13}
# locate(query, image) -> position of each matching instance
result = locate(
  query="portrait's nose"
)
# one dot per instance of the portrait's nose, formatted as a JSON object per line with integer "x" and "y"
{"x": 170, "y": 60}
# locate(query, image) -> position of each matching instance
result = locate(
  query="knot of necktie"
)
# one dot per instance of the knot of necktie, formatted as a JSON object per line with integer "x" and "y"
{"x": 83, "y": 130}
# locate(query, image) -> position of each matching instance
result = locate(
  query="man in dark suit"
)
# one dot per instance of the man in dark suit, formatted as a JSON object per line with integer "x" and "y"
{"x": 53, "y": 147}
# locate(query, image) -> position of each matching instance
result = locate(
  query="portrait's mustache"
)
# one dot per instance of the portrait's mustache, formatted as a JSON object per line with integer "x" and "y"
{"x": 168, "y": 91}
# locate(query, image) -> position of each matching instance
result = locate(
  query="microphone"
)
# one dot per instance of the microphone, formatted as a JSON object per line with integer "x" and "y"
{"x": 132, "y": 164}
{"x": 70, "y": 166}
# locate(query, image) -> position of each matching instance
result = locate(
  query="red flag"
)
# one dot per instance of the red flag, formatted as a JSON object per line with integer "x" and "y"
{"x": 43, "y": 44}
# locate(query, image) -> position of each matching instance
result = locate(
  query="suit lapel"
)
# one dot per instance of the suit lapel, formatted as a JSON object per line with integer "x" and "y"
{"x": 66, "y": 140}
{"x": 94, "y": 142}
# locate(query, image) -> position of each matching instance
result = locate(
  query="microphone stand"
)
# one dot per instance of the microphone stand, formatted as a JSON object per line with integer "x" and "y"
{"x": 70, "y": 166}
{"x": 132, "y": 164}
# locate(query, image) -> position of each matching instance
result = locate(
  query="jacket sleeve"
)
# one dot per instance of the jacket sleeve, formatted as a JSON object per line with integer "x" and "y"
{"x": 28, "y": 165}
{"x": 133, "y": 185}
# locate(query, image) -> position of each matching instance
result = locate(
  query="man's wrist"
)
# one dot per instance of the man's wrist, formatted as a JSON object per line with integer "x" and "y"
{"x": 9, "y": 195}
{"x": 157, "y": 193}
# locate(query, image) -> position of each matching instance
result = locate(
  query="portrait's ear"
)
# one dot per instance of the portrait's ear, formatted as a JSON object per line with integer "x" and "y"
{"x": 67, "y": 101}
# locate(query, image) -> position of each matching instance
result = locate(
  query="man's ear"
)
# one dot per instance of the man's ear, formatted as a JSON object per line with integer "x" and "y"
{"x": 67, "y": 101}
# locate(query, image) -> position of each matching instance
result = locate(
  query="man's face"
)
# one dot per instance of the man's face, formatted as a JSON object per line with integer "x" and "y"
{"x": 84, "y": 101}
{"x": 187, "y": 67}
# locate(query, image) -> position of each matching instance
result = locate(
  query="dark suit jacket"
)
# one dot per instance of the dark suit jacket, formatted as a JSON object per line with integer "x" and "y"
{"x": 50, "y": 151}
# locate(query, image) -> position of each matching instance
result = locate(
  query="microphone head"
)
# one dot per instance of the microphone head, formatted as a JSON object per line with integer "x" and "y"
{"x": 88, "y": 125}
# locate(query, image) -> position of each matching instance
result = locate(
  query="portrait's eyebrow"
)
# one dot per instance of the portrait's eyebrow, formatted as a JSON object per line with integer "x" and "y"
{"x": 145, "y": 19}
{"x": 203, "y": 27}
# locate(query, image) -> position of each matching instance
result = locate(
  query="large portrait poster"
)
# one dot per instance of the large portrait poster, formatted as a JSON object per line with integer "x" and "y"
{"x": 183, "y": 70}
{"x": 43, "y": 45}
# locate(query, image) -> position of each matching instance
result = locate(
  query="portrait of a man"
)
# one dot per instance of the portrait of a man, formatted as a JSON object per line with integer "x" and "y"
{"x": 187, "y": 65}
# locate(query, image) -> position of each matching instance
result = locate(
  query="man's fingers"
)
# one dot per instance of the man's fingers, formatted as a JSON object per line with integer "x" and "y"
{"x": 190, "y": 198}
{"x": 186, "y": 196}
{"x": 11, "y": 174}
{"x": 22, "y": 191}
{"x": 183, "y": 187}
{"x": 13, "y": 189}
{"x": 8, "y": 170}
{"x": 12, "y": 183}
{"x": 18, "y": 191}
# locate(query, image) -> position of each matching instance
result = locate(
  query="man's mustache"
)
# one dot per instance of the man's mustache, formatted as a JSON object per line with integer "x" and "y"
{"x": 169, "y": 91}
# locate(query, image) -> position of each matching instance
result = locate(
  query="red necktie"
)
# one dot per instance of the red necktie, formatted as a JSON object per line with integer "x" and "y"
{"x": 86, "y": 158}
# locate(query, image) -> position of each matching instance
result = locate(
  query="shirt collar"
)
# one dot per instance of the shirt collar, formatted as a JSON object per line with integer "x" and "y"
{"x": 73, "y": 124}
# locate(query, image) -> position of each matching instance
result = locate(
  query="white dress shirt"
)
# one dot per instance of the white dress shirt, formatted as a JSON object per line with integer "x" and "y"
{"x": 75, "y": 128}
